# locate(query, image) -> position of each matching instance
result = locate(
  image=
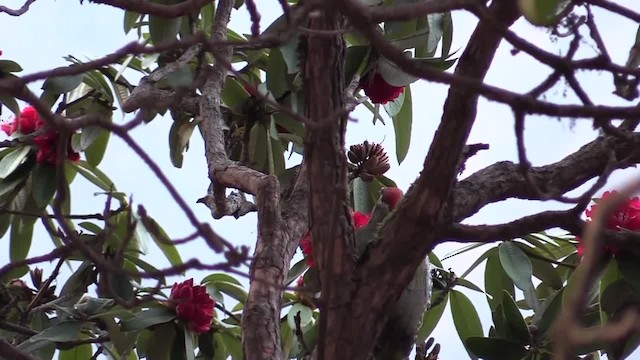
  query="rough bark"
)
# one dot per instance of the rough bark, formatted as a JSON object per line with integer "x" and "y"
{"x": 330, "y": 220}
{"x": 410, "y": 232}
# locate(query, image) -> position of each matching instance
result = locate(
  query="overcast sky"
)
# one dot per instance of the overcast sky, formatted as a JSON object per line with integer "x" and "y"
{"x": 50, "y": 30}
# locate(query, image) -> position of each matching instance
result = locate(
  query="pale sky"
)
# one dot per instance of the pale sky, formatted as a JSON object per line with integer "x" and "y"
{"x": 50, "y": 30}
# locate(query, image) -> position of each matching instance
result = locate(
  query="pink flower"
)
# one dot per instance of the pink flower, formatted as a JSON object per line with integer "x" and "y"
{"x": 378, "y": 90}
{"x": 626, "y": 217}
{"x": 193, "y": 305}
{"x": 360, "y": 219}
{"x": 28, "y": 122}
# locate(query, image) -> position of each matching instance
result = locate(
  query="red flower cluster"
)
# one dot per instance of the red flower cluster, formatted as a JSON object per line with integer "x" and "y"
{"x": 193, "y": 305}
{"x": 359, "y": 220}
{"x": 627, "y": 217}
{"x": 28, "y": 122}
{"x": 378, "y": 90}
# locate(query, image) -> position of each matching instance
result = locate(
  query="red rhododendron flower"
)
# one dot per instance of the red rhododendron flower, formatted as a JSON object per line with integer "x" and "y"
{"x": 359, "y": 220}
{"x": 626, "y": 217}
{"x": 300, "y": 282}
{"x": 28, "y": 122}
{"x": 193, "y": 305}
{"x": 47, "y": 148}
{"x": 379, "y": 91}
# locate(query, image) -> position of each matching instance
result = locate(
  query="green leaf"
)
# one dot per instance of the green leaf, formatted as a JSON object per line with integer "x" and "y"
{"x": 546, "y": 273}
{"x": 233, "y": 344}
{"x": 258, "y": 146}
{"x": 78, "y": 352}
{"x": 516, "y": 264}
{"x": 465, "y": 317}
{"x": 548, "y": 314}
{"x": 21, "y": 236}
{"x": 62, "y": 84}
{"x": 160, "y": 342}
{"x": 148, "y": 318}
{"x": 162, "y": 29}
{"x": 468, "y": 284}
{"x": 216, "y": 277}
{"x": 62, "y": 331}
{"x": 233, "y": 93}
{"x": 477, "y": 262}
{"x": 163, "y": 241}
{"x": 611, "y": 274}
{"x": 8, "y": 66}
{"x": 431, "y": 318}
{"x": 496, "y": 279}
{"x": 189, "y": 346}
{"x": 231, "y": 289}
{"x": 402, "y": 126}
{"x": 94, "y": 175}
{"x": 628, "y": 267}
{"x": 130, "y": 20}
{"x": 495, "y": 348}
{"x": 355, "y": 57}
{"x": 276, "y": 73}
{"x": 295, "y": 271}
{"x": 543, "y": 12}
{"x": 179, "y": 136}
{"x": 11, "y": 103}
{"x": 12, "y": 160}
{"x": 306, "y": 316}
{"x": 518, "y": 329}
{"x": 361, "y": 200}
{"x": 95, "y": 152}
{"x": 44, "y": 184}
{"x": 393, "y": 107}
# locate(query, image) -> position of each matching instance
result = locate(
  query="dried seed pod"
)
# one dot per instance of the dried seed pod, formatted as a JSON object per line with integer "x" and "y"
{"x": 371, "y": 160}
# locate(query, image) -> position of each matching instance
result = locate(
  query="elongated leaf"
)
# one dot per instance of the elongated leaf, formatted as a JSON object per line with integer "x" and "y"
{"x": 516, "y": 264}
{"x": 545, "y": 318}
{"x": 465, "y": 317}
{"x": 402, "y": 126}
{"x": 546, "y": 273}
{"x": 431, "y": 319}
{"x": 62, "y": 84}
{"x": 216, "y": 277}
{"x": 518, "y": 329}
{"x": 477, "y": 262}
{"x": 62, "y": 331}
{"x": 44, "y": 184}
{"x": 295, "y": 271}
{"x": 163, "y": 241}
{"x": 468, "y": 284}
{"x": 160, "y": 342}
{"x": 496, "y": 279}
{"x": 147, "y": 318}
{"x": 79, "y": 352}
{"x": 276, "y": 73}
{"x": 495, "y": 348}
{"x": 179, "y": 136}
{"x": 8, "y": 66}
{"x": 21, "y": 236}
{"x": 130, "y": 19}
{"x": 12, "y": 160}
{"x": 11, "y": 103}
{"x": 361, "y": 199}
{"x": 163, "y": 29}
{"x": 233, "y": 290}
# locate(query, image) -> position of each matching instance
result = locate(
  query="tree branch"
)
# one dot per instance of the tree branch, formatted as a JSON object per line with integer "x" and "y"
{"x": 411, "y": 231}
{"x": 160, "y": 10}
